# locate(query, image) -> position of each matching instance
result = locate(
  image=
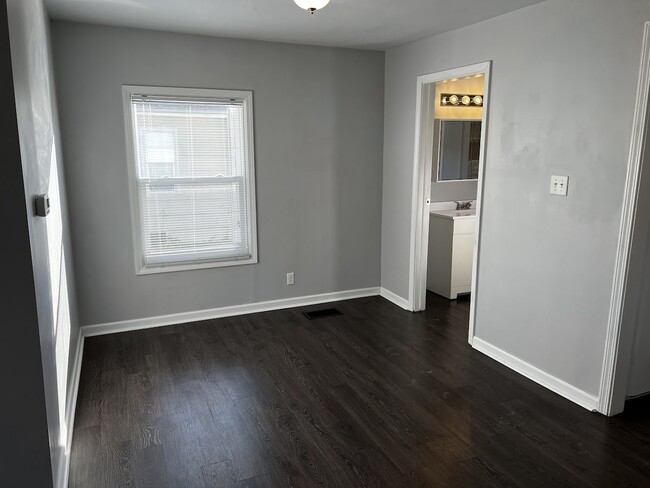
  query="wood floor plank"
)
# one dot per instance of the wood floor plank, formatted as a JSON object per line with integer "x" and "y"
{"x": 148, "y": 468}
{"x": 219, "y": 475}
{"x": 376, "y": 397}
{"x": 264, "y": 481}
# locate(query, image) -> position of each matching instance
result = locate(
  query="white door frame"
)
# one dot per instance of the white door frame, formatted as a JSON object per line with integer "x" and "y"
{"x": 422, "y": 185}
{"x": 623, "y": 305}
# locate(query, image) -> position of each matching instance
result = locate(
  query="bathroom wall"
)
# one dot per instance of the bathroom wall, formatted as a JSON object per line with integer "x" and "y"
{"x": 474, "y": 85}
{"x": 454, "y": 190}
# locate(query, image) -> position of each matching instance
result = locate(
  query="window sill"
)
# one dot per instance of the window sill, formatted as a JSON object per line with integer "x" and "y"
{"x": 172, "y": 268}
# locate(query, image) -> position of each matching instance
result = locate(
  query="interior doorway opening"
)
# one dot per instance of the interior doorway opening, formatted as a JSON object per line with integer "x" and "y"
{"x": 451, "y": 128}
{"x": 625, "y": 364}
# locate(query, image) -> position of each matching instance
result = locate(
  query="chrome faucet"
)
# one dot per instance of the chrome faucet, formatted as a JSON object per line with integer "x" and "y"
{"x": 463, "y": 205}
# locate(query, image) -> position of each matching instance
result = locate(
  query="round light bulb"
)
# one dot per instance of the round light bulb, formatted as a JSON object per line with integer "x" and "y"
{"x": 478, "y": 100}
{"x": 312, "y": 5}
{"x": 453, "y": 100}
{"x": 466, "y": 100}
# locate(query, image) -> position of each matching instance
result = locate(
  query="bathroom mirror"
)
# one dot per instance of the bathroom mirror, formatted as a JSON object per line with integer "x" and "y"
{"x": 458, "y": 149}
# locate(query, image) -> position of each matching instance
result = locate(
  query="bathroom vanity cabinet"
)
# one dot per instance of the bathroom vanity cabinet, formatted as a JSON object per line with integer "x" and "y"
{"x": 451, "y": 252}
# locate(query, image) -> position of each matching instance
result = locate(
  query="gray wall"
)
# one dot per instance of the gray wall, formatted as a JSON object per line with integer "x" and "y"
{"x": 546, "y": 263}
{"x": 318, "y": 128}
{"x": 52, "y": 280}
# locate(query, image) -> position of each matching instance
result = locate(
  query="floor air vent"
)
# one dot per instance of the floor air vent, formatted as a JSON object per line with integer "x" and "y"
{"x": 322, "y": 313}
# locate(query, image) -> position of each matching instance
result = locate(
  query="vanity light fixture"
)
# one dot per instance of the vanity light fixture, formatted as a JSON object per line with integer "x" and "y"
{"x": 461, "y": 100}
{"x": 311, "y": 5}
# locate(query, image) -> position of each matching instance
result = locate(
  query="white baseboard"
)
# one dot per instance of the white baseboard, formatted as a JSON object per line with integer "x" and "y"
{"x": 215, "y": 313}
{"x": 70, "y": 408}
{"x": 395, "y": 298}
{"x": 562, "y": 388}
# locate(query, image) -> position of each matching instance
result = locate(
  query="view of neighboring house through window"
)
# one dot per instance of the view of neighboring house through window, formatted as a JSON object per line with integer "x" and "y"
{"x": 193, "y": 182}
{"x": 160, "y": 153}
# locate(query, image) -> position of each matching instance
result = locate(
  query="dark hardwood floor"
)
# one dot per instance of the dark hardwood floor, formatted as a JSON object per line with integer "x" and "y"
{"x": 375, "y": 397}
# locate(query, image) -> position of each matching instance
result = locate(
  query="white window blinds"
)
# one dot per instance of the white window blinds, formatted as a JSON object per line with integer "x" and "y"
{"x": 193, "y": 179}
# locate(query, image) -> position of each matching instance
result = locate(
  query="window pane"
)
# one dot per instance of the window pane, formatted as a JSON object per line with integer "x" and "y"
{"x": 191, "y": 159}
{"x": 191, "y": 218}
{"x": 159, "y": 153}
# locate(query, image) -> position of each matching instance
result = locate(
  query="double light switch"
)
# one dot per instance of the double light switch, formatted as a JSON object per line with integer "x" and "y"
{"x": 559, "y": 185}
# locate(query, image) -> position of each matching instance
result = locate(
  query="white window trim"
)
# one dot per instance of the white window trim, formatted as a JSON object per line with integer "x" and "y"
{"x": 193, "y": 93}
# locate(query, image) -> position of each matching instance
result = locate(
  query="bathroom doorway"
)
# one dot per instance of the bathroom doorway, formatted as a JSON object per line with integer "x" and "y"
{"x": 451, "y": 129}
{"x": 625, "y": 366}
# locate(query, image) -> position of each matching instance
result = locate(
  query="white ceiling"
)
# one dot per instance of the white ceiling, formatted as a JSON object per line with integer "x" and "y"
{"x": 370, "y": 24}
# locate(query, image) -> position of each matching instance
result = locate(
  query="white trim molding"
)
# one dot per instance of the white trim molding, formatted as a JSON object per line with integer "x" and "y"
{"x": 230, "y": 311}
{"x": 189, "y": 261}
{"x": 70, "y": 409}
{"x": 421, "y": 189}
{"x": 395, "y": 298}
{"x": 547, "y": 380}
{"x": 618, "y": 342}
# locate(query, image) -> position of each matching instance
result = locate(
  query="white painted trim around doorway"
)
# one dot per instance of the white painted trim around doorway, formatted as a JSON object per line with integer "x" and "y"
{"x": 620, "y": 326}
{"x": 422, "y": 169}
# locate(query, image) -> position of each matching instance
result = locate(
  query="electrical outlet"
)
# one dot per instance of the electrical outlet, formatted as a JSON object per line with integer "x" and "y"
{"x": 291, "y": 278}
{"x": 559, "y": 185}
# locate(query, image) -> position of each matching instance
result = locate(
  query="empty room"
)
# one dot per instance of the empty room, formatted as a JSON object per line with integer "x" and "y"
{"x": 342, "y": 243}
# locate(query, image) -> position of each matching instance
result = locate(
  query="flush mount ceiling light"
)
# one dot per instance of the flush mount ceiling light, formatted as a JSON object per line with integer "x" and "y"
{"x": 312, "y": 5}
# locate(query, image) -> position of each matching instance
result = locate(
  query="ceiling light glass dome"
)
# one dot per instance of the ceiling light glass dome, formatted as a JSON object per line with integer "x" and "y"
{"x": 312, "y": 5}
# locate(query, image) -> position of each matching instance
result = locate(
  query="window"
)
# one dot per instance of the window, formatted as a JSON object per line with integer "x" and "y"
{"x": 192, "y": 177}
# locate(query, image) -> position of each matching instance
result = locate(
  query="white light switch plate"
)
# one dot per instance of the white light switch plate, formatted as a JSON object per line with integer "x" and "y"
{"x": 559, "y": 185}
